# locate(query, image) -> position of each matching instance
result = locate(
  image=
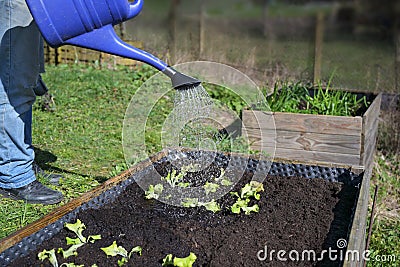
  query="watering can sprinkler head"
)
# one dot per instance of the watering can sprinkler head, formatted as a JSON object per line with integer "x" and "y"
{"x": 179, "y": 80}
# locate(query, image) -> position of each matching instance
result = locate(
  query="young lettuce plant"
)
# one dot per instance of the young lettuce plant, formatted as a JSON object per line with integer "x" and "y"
{"x": 154, "y": 191}
{"x": 170, "y": 260}
{"x": 210, "y": 187}
{"x": 211, "y": 206}
{"x": 75, "y": 243}
{"x": 174, "y": 179}
{"x": 49, "y": 254}
{"x": 78, "y": 228}
{"x": 250, "y": 190}
{"x": 194, "y": 202}
{"x": 222, "y": 179}
{"x": 190, "y": 202}
{"x": 242, "y": 204}
{"x": 115, "y": 250}
{"x": 71, "y": 264}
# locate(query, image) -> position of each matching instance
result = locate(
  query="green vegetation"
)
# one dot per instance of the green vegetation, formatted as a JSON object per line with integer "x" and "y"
{"x": 385, "y": 238}
{"x": 249, "y": 191}
{"x": 170, "y": 260}
{"x": 78, "y": 227}
{"x": 115, "y": 250}
{"x": 322, "y": 100}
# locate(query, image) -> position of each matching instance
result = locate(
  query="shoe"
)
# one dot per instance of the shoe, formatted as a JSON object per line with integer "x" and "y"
{"x": 34, "y": 192}
{"x": 53, "y": 178}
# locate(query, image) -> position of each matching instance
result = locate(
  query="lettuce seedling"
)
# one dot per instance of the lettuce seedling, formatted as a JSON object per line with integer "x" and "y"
{"x": 190, "y": 202}
{"x": 71, "y": 251}
{"x": 71, "y": 264}
{"x": 211, "y": 206}
{"x": 190, "y": 168}
{"x": 222, "y": 179}
{"x": 252, "y": 189}
{"x": 154, "y": 191}
{"x": 253, "y": 208}
{"x": 173, "y": 179}
{"x": 239, "y": 204}
{"x": 185, "y": 262}
{"x": 242, "y": 204}
{"x": 194, "y": 202}
{"x": 49, "y": 254}
{"x": 183, "y": 185}
{"x": 210, "y": 187}
{"x": 75, "y": 243}
{"x": 169, "y": 260}
{"x": 77, "y": 228}
{"x": 115, "y": 250}
{"x": 226, "y": 182}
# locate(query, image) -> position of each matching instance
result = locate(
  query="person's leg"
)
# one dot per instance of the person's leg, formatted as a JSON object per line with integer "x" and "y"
{"x": 19, "y": 72}
{"x": 18, "y": 76}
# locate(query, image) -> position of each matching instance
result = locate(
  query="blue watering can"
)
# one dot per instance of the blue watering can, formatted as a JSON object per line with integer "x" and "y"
{"x": 89, "y": 24}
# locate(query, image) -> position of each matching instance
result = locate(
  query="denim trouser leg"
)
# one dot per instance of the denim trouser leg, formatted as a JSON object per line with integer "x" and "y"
{"x": 20, "y": 60}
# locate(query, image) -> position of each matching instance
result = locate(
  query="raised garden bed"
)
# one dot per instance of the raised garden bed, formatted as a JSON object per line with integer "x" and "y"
{"x": 322, "y": 139}
{"x": 301, "y": 208}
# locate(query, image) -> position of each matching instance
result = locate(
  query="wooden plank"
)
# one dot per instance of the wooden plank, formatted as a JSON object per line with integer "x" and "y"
{"x": 345, "y": 144}
{"x": 368, "y": 134}
{"x": 370, "y": 130}
{"x": 356, "y": 241}
{"x": 372, "y": 113}
{"x": 303, "y": 122}
{"x": 369, "y": 147}
{"x": 312, "y": 156}
{"x": 55, "y": 215}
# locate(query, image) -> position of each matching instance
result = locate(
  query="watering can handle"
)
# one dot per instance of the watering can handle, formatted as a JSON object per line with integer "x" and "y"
{"x": 135, "y": 8}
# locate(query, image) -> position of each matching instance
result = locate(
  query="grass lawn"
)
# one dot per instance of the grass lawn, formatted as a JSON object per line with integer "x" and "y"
{"x": 81, "y": 139}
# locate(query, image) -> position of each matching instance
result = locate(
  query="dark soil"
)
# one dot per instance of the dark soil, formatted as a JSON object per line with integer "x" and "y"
{"x": 295, "y": 214}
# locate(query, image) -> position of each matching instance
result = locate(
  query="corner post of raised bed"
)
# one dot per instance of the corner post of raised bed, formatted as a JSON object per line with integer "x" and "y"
{"x": 358, "y": 230}
{"x": 370, "y": 132}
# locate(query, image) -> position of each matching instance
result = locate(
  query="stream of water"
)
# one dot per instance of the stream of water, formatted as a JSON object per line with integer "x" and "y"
{"x": 193, "y": 108}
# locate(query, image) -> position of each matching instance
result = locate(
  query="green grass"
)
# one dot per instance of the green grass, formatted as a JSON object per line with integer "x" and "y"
{"x": 385, "y": 238}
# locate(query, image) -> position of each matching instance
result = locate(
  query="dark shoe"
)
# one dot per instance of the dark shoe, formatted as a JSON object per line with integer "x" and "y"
{"x": 53, "y": 178}
{"x": 34, "y": 192}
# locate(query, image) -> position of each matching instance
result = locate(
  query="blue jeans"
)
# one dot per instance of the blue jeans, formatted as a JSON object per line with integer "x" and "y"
{"x": 21, "y": 61}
